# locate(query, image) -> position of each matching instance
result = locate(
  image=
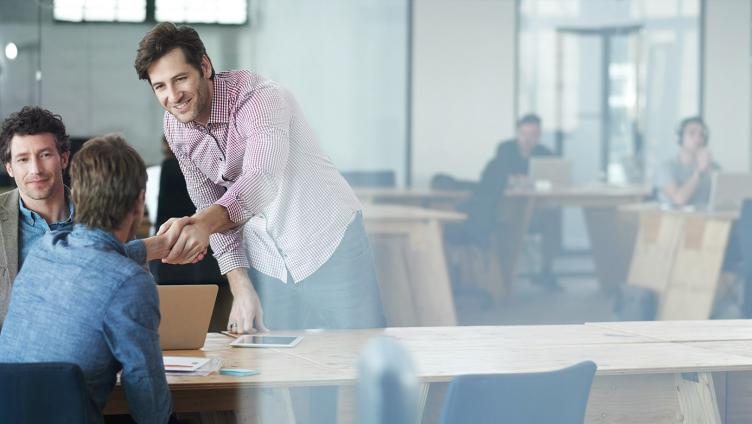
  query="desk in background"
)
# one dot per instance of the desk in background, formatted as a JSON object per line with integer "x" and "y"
{"x": 611, "y": 233}
{"x": 679, "y": 255}
{"x": 409, "y": 252}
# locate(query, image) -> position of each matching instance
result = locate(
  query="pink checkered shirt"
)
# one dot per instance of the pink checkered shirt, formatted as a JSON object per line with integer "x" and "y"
{"x": 259, "y": 158}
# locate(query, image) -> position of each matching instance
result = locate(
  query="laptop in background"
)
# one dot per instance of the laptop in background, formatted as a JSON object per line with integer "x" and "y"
{"x": 557, "y": 171}
{"x": 728, "y": 190}
{"x": 186, "y": 311}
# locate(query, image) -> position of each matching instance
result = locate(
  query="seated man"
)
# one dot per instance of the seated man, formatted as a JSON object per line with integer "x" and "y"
{"x": 510, "y": 166}
{"x": 35, "y": 150}
{"x": 79, "y": 298}
{"x": 685, "y": 179}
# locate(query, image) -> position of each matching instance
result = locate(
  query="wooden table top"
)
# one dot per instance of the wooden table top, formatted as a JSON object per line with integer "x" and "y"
{"x": 387, "y": 212}
{"x": 441, "y": 353}
{"x": 684, "y": 331}
{"x": 411, "y": 194}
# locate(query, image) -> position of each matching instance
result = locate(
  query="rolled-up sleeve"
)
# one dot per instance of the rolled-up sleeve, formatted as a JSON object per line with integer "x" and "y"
{"x": 228, "y": 245}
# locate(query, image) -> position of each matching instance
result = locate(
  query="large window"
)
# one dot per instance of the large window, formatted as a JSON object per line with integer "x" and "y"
{"x": 179, "y": 11}
{"x": 611, "y": 78}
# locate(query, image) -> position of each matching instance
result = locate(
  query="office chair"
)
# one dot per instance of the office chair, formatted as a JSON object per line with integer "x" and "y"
{"x": 45, "y": 392}
{"x": 558, "y": 396}
{"x": 743, "y": 228}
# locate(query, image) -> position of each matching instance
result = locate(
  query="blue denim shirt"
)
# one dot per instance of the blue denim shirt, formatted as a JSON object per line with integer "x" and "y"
{"x": 80, "y": 299}
{"x": 32, "y": 226}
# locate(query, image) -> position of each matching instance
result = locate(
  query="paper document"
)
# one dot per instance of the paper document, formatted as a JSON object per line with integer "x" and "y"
{"x": 183, "y": 363}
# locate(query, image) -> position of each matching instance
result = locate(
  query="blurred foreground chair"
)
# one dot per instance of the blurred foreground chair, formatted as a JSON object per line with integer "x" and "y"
{"x": 45, "y": 392}
{"x": 558, "y": 396}
{"x": 387, "y": 384}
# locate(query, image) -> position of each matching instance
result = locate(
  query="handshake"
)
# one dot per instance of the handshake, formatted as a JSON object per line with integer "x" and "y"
{"x": 179, "y": 241}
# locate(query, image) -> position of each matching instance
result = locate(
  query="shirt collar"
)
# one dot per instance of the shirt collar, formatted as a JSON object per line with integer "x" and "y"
{"x": 98, "y": 236}
{"x": 31, "y": 217}
{"x": 220, "y": 112}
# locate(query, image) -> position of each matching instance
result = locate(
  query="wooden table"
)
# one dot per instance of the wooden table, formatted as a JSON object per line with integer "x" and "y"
{"x": 611, "y": 233}
{"x": 426, "y": 198}
{"x": 646, "y": 373}
{"x": 679, "y": 255}
{"x": 409, "y": 252}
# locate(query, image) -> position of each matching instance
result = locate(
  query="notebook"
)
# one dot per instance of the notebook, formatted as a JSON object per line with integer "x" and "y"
{"x": 728, "y": 190}
{"x": 557, "y": 171}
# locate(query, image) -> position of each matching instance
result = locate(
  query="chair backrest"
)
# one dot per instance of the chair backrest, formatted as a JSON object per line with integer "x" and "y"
{"x": 558, "y": 396}
{"x": 372, "y": 179}
{"x": 45, "y": 392}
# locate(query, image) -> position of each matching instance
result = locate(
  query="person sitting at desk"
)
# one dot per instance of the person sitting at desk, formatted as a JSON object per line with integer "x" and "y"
{"x": 80, "y": 299}
{"x": 509, "y": 168}
{"x": 35, "y": 149}
{"x": 685, "y": 179}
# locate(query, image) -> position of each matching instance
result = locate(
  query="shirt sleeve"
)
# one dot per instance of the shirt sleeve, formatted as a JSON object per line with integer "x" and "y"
{"x": 131, "y": 330}
{"x": 227, "y": 246}
{"x": 263, "y": 118}
{"x": 136, "y": 250}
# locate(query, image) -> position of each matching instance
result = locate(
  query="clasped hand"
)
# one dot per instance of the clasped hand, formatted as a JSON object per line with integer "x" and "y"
{"x": 188, "y": 239}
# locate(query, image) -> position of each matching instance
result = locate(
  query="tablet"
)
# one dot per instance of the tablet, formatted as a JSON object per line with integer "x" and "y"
{"x": 255, "y": 340}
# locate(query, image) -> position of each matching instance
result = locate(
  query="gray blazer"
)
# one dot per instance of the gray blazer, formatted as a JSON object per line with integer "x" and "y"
{"x": 8, "y": 247}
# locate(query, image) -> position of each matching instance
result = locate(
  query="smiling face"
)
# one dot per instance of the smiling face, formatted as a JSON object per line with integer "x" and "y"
{"x": 181, "y": 89}
{"x": 36, "y": 166}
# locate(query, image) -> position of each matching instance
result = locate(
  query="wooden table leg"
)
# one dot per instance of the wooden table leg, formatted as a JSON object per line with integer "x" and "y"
{"x": 697, "y": 398}
{"x": 612, "y": 236}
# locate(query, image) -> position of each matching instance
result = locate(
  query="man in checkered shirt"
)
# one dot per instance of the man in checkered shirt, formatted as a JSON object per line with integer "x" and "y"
{"x": 284, "y": 225}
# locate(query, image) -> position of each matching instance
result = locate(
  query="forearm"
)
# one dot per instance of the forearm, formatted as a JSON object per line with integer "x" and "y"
{"x": 239, "y": 281}
{"x": 157, "y": 247}
{"x": 686, "y": 191}
{"x": 215, "y": 219}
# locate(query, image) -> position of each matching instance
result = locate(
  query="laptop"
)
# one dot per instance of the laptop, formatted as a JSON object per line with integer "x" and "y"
{"x": 557, "y": 171}
{"x": 186, "y": 311}
{"x": 728, "y": 190}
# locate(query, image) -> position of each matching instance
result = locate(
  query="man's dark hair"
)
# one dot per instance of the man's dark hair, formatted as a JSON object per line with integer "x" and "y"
{"x": 530, "y": 118}
{"x": 107, "y": 176}
{"x": 162, "y": 39}
{"x": 33, "y": 120}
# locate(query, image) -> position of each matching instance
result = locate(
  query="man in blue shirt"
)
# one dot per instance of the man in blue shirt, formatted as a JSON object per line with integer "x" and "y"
{"x": 79, "y": 298}
{"x": 35, "y": 149}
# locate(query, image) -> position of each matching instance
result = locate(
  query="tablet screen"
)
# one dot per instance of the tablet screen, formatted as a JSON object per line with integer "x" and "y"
{"x": 261, "y": 341}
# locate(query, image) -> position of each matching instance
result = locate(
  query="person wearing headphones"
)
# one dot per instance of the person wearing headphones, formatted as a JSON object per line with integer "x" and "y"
{"x": 685, "y": 179}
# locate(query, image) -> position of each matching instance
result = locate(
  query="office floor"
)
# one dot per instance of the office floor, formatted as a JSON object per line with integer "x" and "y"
{"x": 580, "y": 300}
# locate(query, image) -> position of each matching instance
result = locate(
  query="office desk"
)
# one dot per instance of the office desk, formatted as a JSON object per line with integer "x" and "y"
{"x": 640, "y": 379}
{"x": 611, "y": 233}
{"x": 679, "y": 255}
{"x": 409, "y": 252}
{"x": 425, "y": 198}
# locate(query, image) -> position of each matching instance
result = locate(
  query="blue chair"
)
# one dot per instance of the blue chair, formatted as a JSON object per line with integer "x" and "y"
{"x": 743, "y": 228}
{"x": 45, "y": 392}
{"x": 547, "y": 397}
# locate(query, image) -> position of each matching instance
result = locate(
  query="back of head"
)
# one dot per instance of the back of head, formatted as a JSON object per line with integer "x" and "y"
{"x": 162, "y": 39}
{"x": 107, "y": 178}
{"x": 529, "y": 119}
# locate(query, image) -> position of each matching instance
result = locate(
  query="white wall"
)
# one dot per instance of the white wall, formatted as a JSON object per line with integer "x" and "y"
{"x": 462, "y": 84}
{"x": 728, "y": 108}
